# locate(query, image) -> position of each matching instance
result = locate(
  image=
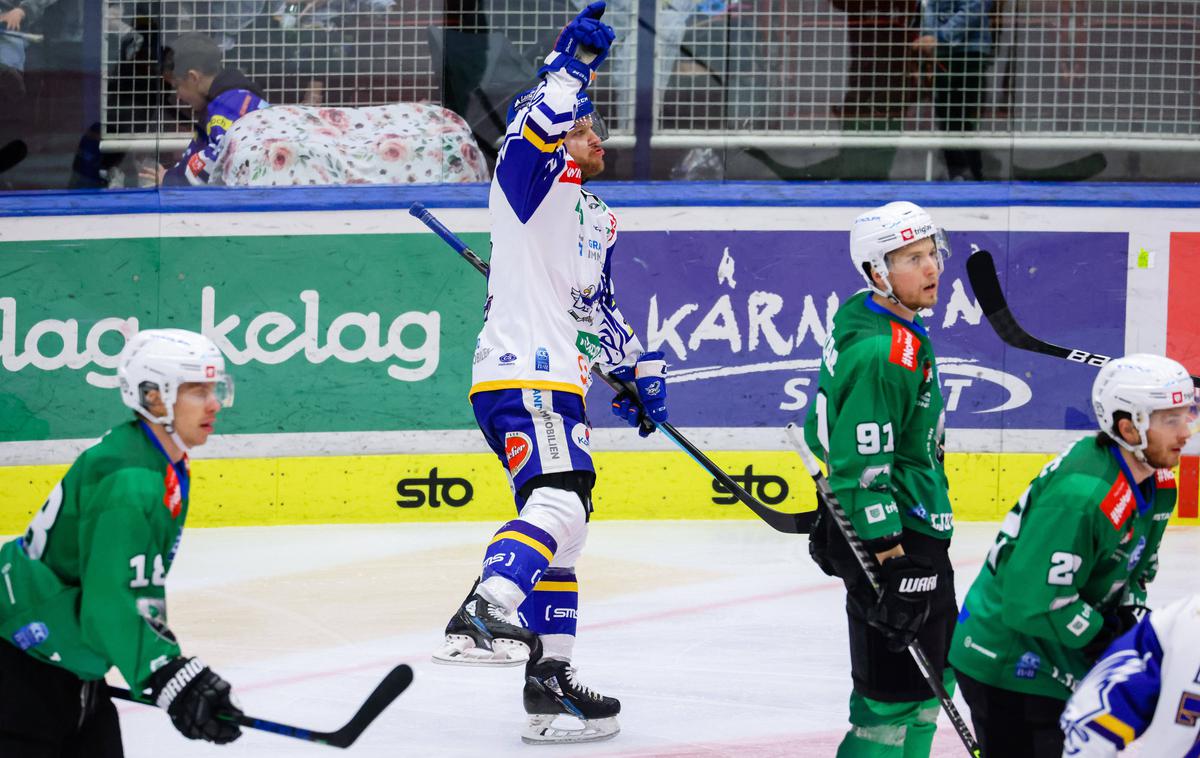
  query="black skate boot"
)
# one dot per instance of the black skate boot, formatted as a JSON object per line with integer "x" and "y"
{"x": 552, "y": 691}
{"x": 480, "y": 634}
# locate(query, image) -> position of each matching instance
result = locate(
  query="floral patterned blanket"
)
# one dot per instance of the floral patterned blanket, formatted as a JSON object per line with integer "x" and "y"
{"x": 405, "y": 143}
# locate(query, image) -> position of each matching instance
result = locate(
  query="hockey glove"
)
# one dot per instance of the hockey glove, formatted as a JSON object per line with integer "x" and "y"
{"x": 194, "y": 697}
{"x": 820, "y": 537}
{"x": 649, "y": 376}
{"x": 582, "y": 45}
{"x": 1116, "y": 623}
{"x": 908, "y": 582}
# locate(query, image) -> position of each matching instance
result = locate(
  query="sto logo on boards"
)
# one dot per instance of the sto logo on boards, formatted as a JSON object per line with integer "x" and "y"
{"x": 434, "y": 490}
{"x": 767, "y": 488}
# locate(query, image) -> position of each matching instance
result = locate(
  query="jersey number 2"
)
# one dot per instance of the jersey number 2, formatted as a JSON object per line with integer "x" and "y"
{"x": 1062, "y": 569}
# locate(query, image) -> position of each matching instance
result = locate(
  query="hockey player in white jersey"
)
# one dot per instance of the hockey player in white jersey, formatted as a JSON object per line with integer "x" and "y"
{"x": 550, "y": 315}
{"x": 1146, "y": 689}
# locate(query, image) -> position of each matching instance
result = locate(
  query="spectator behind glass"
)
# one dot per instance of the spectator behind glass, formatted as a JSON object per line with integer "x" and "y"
{"x": 217, "y": 96}
{"x": 957, "y": 36}
{"x": 15, "y": 20}
{"x": 879, "y": 37}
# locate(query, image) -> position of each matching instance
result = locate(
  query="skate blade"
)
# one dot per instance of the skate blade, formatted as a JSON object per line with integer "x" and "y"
{"x": 460, "y": 650}
{"x": 542, "y": 729}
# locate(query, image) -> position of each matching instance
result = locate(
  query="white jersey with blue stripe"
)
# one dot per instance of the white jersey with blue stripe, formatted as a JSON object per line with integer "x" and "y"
{"x": 1146, "y": 688}
{"x": 550, "y": 312}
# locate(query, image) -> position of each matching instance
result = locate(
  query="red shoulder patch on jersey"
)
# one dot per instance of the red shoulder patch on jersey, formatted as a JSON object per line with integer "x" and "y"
{"x": 196, "y": 162}
{"x": 904, "y": 347}
{"x": 572, "y": 174}
{"x": 1118, "y": 504}
{"x": 1165, "y": 478}
{"x": 173, "y": 497}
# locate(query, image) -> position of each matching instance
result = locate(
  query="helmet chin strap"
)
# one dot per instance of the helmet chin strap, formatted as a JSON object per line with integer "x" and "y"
{"x": 890, "y": 293}
{"x": 1137, "y": 451}
{"x": 168, "y": 425}
{"x": 176, "y": 438}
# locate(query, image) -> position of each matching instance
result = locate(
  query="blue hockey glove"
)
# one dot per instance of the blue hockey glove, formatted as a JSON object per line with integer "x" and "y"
{"x": 582, "y": 45}
{"x": 650, "y": 379}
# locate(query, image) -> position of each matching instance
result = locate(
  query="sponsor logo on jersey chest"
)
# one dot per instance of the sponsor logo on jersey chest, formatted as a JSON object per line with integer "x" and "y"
{"x": 541, "y": 361}
{"x": 1118, "y": 503}
{"x": 172, "y": 497}
{"x": 572, "y": 174}
{"x": 904, "y": 347}
{"x": 1164, "y": 478}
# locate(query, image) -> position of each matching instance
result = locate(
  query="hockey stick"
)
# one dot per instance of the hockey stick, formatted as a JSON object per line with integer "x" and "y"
{"x": 34, "y": 38}
{"x": 981, "y": 271}
{"x": 788, "y": 523}
{"x": 388, "y": 690}
{"x": 870, "y": 568}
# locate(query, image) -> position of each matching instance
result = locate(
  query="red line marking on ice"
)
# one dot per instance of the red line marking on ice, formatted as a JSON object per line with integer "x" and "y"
{"x": 657, "y": 616}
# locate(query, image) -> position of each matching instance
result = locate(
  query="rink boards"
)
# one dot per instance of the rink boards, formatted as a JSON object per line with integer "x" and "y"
{"x": 350, "y": 330}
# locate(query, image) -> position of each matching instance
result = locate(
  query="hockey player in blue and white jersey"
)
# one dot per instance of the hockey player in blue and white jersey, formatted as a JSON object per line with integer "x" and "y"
{"x": 549, "y": 317}
{"x": 217, "y": 96}
{"x": 1145, "y": 688}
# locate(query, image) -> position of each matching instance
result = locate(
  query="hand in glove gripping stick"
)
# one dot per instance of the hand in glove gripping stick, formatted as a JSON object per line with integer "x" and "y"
{"x": 908, "y": 582}
{"x": 194, "y": 697}
{"x": 649, "y": 375}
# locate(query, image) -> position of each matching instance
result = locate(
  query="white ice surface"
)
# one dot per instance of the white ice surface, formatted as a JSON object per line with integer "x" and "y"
{"x": 720, "y": 638}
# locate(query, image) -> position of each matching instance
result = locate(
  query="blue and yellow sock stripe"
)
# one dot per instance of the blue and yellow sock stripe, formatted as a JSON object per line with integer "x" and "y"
{"x": 529, "y": 535}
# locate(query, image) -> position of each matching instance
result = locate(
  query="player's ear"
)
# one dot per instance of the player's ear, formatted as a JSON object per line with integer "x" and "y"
{"x": 154, "y": 403}
{"x": 1128, "y": 431}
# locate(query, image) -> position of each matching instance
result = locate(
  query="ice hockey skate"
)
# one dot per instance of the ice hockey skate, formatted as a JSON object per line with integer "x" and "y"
{"x": 481, "y": 634}
{"x": 562, "y": 710}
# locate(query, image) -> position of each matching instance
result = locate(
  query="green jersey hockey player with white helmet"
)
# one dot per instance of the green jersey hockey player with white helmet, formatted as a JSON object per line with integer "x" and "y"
{"x": 878, "y": 420}
{"x": 1072, "y": 559}
{"x": 84, "y": 587}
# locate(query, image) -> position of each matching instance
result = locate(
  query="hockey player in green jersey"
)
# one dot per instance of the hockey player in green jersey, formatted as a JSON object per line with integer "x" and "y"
{"x": 83, "y": 588}
{"x": 878, "y": 420}
{"x": 1072, "y": 559}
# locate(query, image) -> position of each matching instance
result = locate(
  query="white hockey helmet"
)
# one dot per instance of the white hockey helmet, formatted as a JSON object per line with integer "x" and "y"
{"x": 890, "y": 227}
{"x": 1140, "y": 384}
{"x": 163, "y": 359}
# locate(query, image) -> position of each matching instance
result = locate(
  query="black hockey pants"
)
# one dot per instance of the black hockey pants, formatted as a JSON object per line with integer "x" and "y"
{"x": 48, "y": 712}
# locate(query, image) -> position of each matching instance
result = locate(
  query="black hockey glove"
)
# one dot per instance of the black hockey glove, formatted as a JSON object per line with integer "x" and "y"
{"x": 1116, "y": 623}
{"x": 194, "y": 697}
{"x": 820, "y": 537}
{"x": 908, "y": 582}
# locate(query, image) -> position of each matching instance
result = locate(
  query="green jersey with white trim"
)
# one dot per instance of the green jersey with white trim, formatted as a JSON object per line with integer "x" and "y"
{"x": 1078, "y": 543}
{"x": 84, "y": 588}
{"x": 878, "y": 420}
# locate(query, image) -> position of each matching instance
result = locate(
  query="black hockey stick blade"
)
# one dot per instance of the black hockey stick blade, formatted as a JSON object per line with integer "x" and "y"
{"x": 788, "y": 523}
{"x": 981, "y": 271}
{"x": 388, "y": 690}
